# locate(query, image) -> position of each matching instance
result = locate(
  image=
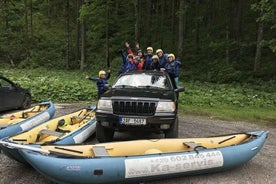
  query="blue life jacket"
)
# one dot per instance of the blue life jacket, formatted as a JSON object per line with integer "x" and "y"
{"x": 148, "y": 62}
{"x": 173, "y": 68}
{"x": 163, "y": 61}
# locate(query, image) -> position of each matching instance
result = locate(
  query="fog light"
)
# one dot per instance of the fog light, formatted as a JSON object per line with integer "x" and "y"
{"x": 164, "y": 126}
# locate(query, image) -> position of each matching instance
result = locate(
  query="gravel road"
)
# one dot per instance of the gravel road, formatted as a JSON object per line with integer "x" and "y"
{"x": 261, "y": 169}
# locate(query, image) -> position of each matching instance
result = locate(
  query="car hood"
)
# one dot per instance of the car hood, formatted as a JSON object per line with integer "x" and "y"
{"x": 140, "y": 93}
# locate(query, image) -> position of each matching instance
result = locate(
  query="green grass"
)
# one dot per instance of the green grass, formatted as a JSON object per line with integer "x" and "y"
{"x": 247, "y": 102}
{"x": 255, "y": 102}
{"x": 253, "y": 115}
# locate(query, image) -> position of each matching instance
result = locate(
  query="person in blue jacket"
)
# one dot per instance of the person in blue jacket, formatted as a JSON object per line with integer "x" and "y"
{"x": 163, "y": 58}
{"x": 128, "y": 62}
{"x": 172, "y": 67}
{"x": 101, "y": 81}
{"x": 148, "y": 58}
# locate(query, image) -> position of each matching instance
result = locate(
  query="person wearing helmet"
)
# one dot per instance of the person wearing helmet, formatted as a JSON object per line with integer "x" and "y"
{"x": 127, "y": 62}
{"x": 148, "y": 58}
{"x": 155, "y": 63}
{"x": 172, "y": 67}
{"x": 142, "y": 59}
{"x": 138, "y": 58}
{"x": 162, "y": 58}
{"x": 138, "y": 62}
{"x": 140, "y": 53}
{"x": 101, "y": 81}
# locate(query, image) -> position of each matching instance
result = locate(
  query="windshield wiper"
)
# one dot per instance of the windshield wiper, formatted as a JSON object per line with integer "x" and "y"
{"x": 152, "y": 87}
{"x": 124, "y": 86}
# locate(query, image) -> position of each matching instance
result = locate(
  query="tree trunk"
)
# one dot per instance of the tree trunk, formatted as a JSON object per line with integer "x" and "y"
{"x": 238, "y": 27}
{"x": 107, "y": 37}
{"x": 163, "y": 3}
{"x": 227, "y": 45}
{"x": 31, "y": 19}
{"x": 258, "y": 56}
{"x": 83, "y": 44}
{"x": 135, "y": 2}
{"x": 197, "y": 27}
{"x": 148, "y": 26}
{"x": 26, "y": 16}
{"x": 6, "y": 15}
{"x": 48, "y": 12}
{"x": 67, "y": 35}
{"x": 172, "y": 27}
{"x": 239, "y": 19}
{"x": 181, "y": 28}
{"x": 77, "y": 48}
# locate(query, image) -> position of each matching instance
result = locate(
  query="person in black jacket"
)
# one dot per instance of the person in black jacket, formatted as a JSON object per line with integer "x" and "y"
{"x": 155, "y": 65}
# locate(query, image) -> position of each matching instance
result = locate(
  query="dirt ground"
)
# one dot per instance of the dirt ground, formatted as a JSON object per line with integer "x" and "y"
{"x": 261, "y": 169}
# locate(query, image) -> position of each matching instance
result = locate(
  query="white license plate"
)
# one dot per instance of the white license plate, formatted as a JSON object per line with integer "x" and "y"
{"x": 133, "y": 121}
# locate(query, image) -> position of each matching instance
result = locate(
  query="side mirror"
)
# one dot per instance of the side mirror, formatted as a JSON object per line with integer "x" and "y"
{"x": 179, "y": 89}
{"x": 107, "y": 87}
{"x": 17, "y": 85}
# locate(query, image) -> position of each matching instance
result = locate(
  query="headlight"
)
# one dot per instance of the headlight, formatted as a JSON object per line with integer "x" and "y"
{"x": 165, "y": 107}
{"x": 105, "y": 105}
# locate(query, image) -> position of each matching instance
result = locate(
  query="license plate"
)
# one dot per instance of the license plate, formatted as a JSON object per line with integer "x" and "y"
{"x": 132, "y": 121}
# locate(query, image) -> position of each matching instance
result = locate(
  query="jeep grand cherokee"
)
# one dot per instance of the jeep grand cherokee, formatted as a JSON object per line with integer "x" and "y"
{"x": 138, "y": 101}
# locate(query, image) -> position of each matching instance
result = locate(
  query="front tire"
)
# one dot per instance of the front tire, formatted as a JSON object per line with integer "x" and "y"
{"x": 104, "y": 134}
{"x": 173, "y": 131}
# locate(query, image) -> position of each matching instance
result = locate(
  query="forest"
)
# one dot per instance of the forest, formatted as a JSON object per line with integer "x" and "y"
{"x": 216, "y": 41}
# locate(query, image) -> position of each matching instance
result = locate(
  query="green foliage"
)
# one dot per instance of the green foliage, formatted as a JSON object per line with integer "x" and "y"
{"x": 267, "y": 14}
{"x": 219, "y": 43}
{"x": 237, "y": 100}
{"x": 57, "y": 85}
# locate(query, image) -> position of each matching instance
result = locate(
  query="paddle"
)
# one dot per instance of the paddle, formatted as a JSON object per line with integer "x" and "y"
{"x": 66, "y": 149}
{"x": 42, "y": 151}
{"x": 20, "y": 146}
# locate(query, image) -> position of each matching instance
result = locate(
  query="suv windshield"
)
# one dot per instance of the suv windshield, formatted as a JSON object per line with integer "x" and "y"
{"x": 142, "y": 80}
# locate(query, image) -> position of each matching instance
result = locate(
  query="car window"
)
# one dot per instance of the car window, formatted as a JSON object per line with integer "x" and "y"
{"x": 5, "y": 83}
{"x": 143, "y": 80}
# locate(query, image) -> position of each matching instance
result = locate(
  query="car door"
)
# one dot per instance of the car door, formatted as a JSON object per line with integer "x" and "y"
{"x": 9, "y": 95}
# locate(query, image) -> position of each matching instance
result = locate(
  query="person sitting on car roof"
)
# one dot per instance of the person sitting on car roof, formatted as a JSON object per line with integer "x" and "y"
{"x": 155, "y": 63}
{"x": 148, "y": 58}
{"x": 172, "y": 67}
{"x": 128, "y": 62}
{"x": 137, "y": 58}
{"x": 163, "y": 58}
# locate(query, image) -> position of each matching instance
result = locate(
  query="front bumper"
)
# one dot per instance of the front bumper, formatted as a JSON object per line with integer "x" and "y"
{"x": 158, "y": 122}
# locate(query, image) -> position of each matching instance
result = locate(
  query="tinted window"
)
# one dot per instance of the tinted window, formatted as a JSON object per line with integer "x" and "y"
{"x": 5, "y": 83}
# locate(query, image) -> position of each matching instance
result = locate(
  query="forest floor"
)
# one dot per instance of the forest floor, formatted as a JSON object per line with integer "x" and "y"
{"x": 261, "y": 169}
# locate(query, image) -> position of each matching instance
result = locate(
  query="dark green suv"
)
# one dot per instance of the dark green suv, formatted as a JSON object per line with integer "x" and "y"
{"x": 139, "y": 101}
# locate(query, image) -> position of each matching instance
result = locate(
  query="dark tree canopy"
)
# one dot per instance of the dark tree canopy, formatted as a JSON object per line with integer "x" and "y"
{"x": 216, "y": 40}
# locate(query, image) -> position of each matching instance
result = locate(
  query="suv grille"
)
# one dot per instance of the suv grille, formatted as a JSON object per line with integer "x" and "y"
{"x": 134, "y": 108}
